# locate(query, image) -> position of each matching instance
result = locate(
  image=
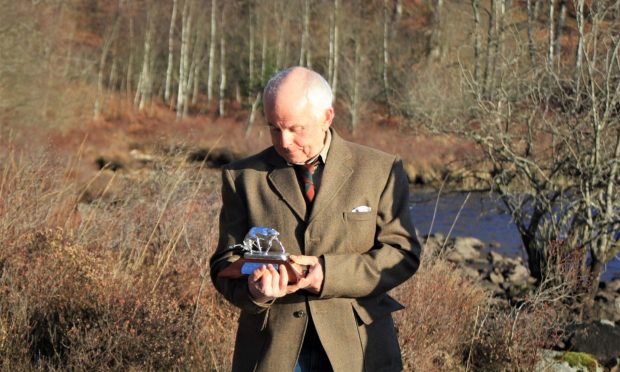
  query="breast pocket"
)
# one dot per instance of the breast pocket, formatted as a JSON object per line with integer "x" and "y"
{"x": 361, "y": 228}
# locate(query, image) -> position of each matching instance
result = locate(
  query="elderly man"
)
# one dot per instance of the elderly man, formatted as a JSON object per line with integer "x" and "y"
{"x": 342, "y": 211}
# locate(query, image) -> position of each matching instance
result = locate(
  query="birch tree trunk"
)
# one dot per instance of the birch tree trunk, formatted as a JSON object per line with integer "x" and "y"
{"x": 476, "y": 9}
{"x": 490, "y": 33}
{"x": 222, "y": 91}
{"x": 559, "y": 27}
{"x": 386, "y": 55}
{"x": 499, "y": 44}
{"x": 334, "y": 82}
{"x": 197, "y": 60}
{"x": 101, "y": 71}
{"x": 129, "y": 77}
{"x": 173, "y": 18}
{"x": 263, "y": 52}
{"x": 251, "y": 37}
{"x": 435, "y": 50}
{"x": 281, "y": 41}
{"x": 303, "y": 54}
{"x": 212, "y": 51}
{"x": 250, "y": 122}
{"x": 355, "y": 96}
{"x": 530, "y": 32}
{"x": 183, "y": 60}
{"x": 143, "y": 92}
{"x": 551, "y": 42}
{"x": 579, "y": 52}
{"x": 330, "y": 58}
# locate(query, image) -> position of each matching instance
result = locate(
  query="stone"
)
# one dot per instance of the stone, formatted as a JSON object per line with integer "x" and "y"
{"x": 470, "y": 272}
{"x": 496, "y": 278}
{"x": 468, "y": 248}
{"x": 613, "y": 285}
{"x": 598, "y": 339}
{"x": 455, "y": 257}
{"x": 519, "y": 275}
{"x": 495, "y": 257}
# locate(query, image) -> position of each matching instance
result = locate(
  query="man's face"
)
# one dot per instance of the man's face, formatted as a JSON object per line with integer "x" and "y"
{"x": 297, "y": 133}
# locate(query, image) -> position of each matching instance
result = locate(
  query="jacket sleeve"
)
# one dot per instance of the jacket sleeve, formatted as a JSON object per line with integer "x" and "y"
{"x": 232, "y": 230}
{"x": 394, "y": 257}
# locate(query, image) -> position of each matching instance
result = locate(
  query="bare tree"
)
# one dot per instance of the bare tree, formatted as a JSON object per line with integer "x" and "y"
{"x": 555, "y": 150}
{"x": 170, "y": 52}
{"x": 530, "y": 32}
{"x": 210, "y": 76}
{"x": 222, "y": 90}
{"x": 304, "y": 53}
{"x": 436, "y": 45}
{"x": 551, "y": 42}
{"x": 143, "y": 91}
{"x": 559, "y": 28}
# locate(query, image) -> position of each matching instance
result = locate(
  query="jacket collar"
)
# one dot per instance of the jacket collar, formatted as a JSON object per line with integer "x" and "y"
{"x": 335, "y": 174}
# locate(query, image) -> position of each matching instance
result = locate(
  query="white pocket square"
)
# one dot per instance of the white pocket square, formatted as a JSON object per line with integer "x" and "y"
{"x": 361, "y": 209}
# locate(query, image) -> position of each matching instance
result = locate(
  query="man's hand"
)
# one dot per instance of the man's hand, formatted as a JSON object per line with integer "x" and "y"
{"x": 266, "y": 283}
{"x": 313, "y": 281}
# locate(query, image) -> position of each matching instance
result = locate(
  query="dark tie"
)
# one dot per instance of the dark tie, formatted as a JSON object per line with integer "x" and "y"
{"x": 306, "y": 172}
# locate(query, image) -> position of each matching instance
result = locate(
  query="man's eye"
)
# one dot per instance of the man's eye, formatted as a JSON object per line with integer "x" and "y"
{"x": 298, "y": 129}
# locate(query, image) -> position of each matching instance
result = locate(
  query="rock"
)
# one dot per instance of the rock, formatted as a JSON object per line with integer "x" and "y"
{"x": 468, "y": 242}
{"x": 519, "y": 275}
{"x": 214, "y": 158}
{"x": 140, "y": 156}
{"x": 494, "y": 289}
{"x": 598, "y": 339}
{"x": 470, "y": 272}
{"x": 613, "y": 285}
{"x": 496, "y": 278}
{"x": 430, "y": 247}
{"x": 607, "y": 306}
{"x": 550, "y": 362}
{"x": 495, "y": 257}
{"x": 514, "y": 261}
{"x": 468, "y": 248}
{"x": 455, "y": 257}
{"x": 113, "y": 164}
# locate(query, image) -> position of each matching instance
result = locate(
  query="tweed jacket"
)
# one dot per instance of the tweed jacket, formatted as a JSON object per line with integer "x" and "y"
{"x": 365, "y": 255}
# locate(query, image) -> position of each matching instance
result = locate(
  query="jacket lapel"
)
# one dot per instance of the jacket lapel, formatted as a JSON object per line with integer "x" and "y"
{"x": 336, "y": 173}
{"x": 284, "y": 180}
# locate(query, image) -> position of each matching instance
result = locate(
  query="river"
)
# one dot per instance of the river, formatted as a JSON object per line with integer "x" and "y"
{"x": 481, "y": 216}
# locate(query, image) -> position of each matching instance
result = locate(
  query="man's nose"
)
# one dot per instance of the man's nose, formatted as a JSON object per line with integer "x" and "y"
{"x": 286, "y": 138}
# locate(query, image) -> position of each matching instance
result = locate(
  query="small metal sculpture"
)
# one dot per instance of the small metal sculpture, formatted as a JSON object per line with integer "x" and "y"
{"x": 259, "y": 249}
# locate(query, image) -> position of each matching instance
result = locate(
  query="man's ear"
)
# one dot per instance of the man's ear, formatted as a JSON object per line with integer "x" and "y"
{"x": 329, "y": 117}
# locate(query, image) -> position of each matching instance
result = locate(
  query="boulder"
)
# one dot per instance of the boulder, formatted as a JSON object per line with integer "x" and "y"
{"x": 519, "y": 275}
{"x": 607, "y": 306}
{"x": 600, "y": 339}
{"x": 496, "y": 278}
{"x": 495, "y": 257}
{"x": 468, "y": 248}
{"x": 613, "y": 285}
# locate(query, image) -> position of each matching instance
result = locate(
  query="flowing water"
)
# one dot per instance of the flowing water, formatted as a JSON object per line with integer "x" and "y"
{"x": 480, "y": 216}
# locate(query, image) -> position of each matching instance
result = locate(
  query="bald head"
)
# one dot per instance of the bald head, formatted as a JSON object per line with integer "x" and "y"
{"x": 298, "y": 109}
{"x": 298, "y": 86}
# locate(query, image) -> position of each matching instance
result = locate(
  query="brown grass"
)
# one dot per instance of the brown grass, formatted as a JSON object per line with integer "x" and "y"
{"x": 120, "y": 283}
{"x": 119, "y": 280}
{"x": 443, "y": 307}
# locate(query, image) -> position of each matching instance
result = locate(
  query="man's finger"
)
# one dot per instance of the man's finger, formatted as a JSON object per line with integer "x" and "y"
{"x": 257, "y": 274}
{"x": 304, "y": 260}
{"x": 283, "y": 279}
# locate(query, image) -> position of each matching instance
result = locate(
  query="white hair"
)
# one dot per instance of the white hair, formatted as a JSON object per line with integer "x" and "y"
{"x": 318, "y": 92}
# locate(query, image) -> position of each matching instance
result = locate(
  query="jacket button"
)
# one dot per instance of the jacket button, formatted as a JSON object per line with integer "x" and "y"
{"x": 299, "y": 314}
